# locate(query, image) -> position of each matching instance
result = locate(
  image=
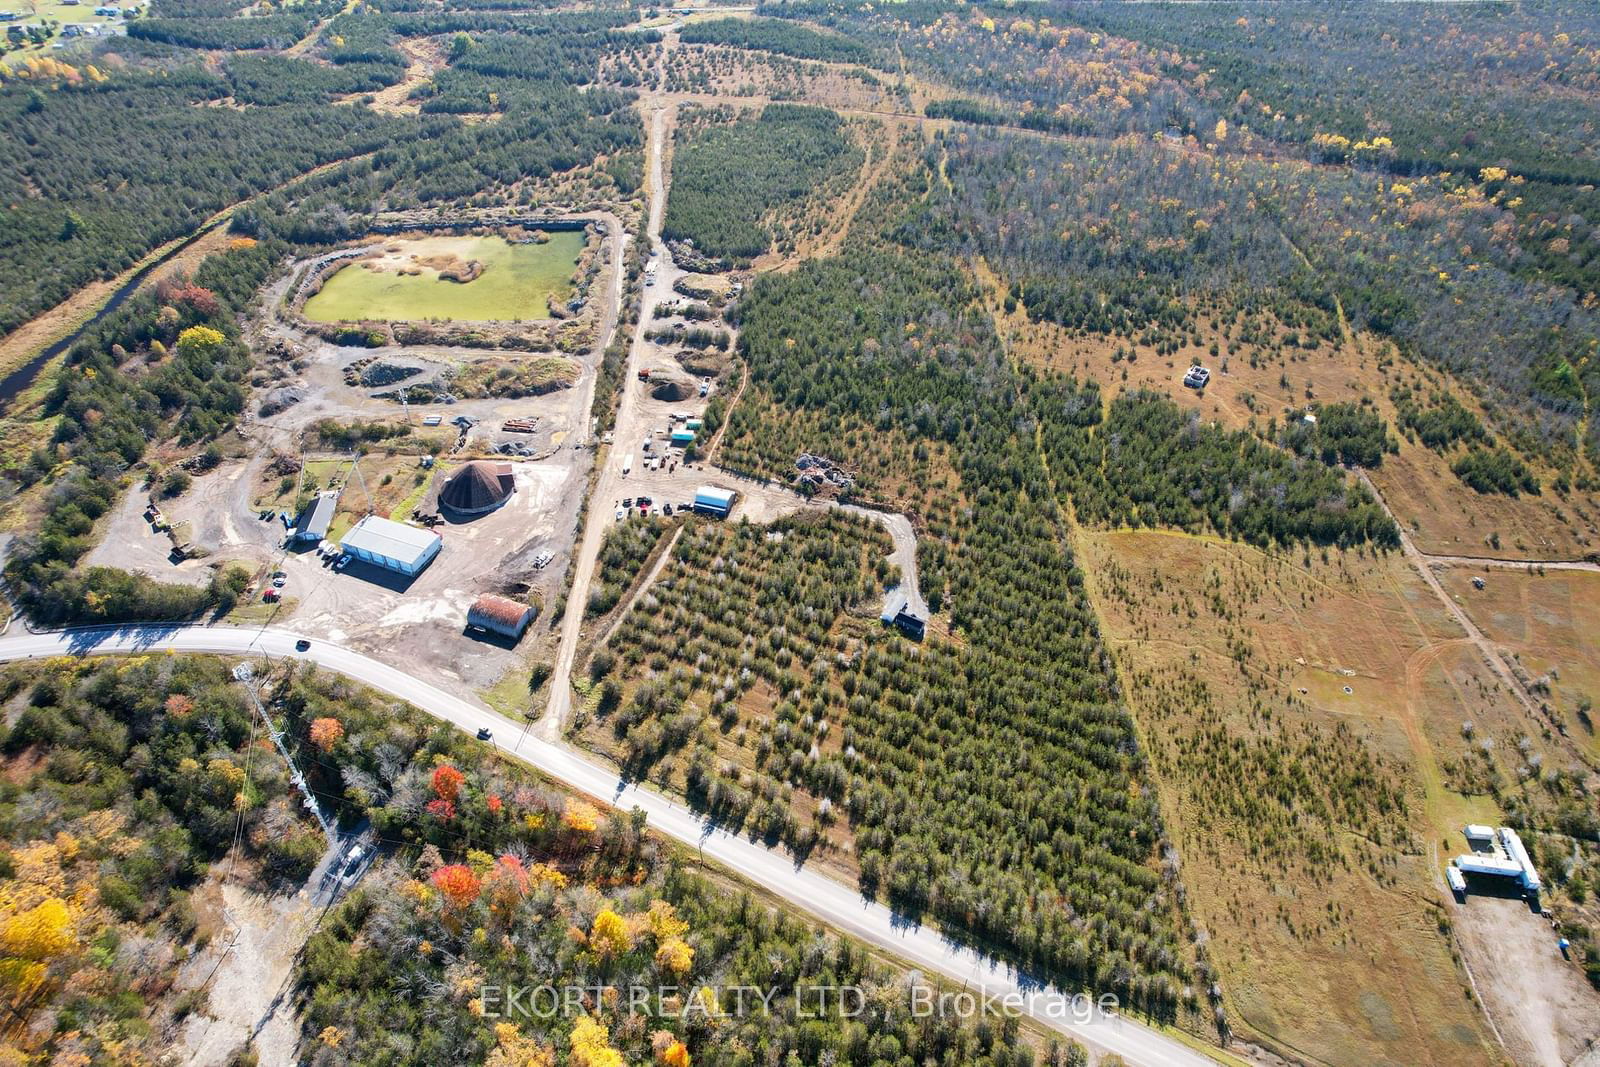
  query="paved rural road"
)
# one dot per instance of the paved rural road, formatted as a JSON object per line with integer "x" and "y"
{"x": 837, "y": 905}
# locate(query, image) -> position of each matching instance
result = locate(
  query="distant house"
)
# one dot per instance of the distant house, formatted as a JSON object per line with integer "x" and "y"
{"x": 500, "y": 615}
{"x": 316, "y": 517}
{"x": 899, "y": 612}
{"x": 1197, "y": 377}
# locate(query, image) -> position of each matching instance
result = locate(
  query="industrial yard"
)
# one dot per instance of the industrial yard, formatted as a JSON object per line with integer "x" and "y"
{"x": 353, "y": 492}
{"x": 420, "y": 501}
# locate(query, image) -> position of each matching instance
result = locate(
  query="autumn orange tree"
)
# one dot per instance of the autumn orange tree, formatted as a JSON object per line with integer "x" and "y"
{"x": 326, "y": 732}
{"x": 458, "y": 884}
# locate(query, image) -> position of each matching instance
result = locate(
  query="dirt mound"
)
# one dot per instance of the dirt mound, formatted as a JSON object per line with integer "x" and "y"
{"x": 280, "y": 400}
{"x": 453, "y": 268}
{"x": 672, "y": 390}
{"x": 703, "y": 364}
{"x": 377, "y": 375}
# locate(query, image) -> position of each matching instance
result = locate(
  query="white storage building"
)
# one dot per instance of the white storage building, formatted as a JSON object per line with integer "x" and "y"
{"x": 1482, "y": 863}
{"x": 316, "y": 516}
{"x": 392, "y": 545}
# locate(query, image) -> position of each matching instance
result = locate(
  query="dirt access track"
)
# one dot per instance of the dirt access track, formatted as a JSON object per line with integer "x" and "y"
{"x": 639, "y": 416}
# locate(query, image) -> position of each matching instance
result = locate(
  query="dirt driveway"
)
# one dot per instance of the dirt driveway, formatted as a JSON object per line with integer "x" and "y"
{"x": 1543, "y": 1005}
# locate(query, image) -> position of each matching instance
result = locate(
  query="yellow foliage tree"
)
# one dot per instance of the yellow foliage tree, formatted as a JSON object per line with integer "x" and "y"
{"x": 228, "y": 774}
{"x": 675, "y": 955}
{"x": 199, "y": 341}
{"x": 41, "y": 933}
{"x": 677, "y": 1055}
{"x": 580, "y": 817}
{"x": 542, "y": 874}
{"x": 662, "y": 921}
{"x": 591, "y": 1045}
{"x": 610, "y": 936}
{"x": 514, "y": 1049}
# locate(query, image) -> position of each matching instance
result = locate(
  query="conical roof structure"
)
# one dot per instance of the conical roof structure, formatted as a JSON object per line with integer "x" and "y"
{"x": 477, "y": 487}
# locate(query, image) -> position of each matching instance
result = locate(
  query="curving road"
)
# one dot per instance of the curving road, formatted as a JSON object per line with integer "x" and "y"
{"x": 838, "y": 906}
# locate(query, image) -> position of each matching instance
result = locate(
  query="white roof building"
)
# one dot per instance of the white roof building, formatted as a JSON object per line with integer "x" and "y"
{"x": 1479, "y": 863}
{"x": 392, "y": 545}
{"x": 1519, "y": 855}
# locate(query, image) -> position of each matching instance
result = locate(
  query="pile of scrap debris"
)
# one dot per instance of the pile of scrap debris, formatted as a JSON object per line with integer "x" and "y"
{"x": 820, "y": 471}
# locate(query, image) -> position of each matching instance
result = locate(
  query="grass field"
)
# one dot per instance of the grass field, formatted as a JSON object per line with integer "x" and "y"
{"x": 516, "y": 283}
{"x": 1446, "y": 517}
{"x": 1550, "y": 624}
{"x": 1304, "y": 717}
{"x": 388, "y": 485}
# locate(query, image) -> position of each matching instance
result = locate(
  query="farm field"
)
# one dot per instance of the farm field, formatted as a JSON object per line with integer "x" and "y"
{"x": 1304, "y": 717}
{"x": 405, "y": 282}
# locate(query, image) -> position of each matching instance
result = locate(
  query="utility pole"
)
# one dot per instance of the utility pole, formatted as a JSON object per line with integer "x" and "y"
{"x": 355, "y": 467}
{"x": 245, "y": 675}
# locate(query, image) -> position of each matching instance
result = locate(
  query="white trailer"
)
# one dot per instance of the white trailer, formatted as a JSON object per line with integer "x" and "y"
{"x": 1519, "y": 855}
{"x": 1498, "y": 866}
{"x": 627, "y": 464}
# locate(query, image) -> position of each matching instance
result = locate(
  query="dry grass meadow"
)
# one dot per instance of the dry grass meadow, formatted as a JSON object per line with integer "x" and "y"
{"x": 1548, "y": 623}
{"x": 1304, "y": 718}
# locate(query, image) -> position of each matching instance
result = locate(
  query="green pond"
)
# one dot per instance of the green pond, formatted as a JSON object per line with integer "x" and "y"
{"x": 515, "y": 284}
